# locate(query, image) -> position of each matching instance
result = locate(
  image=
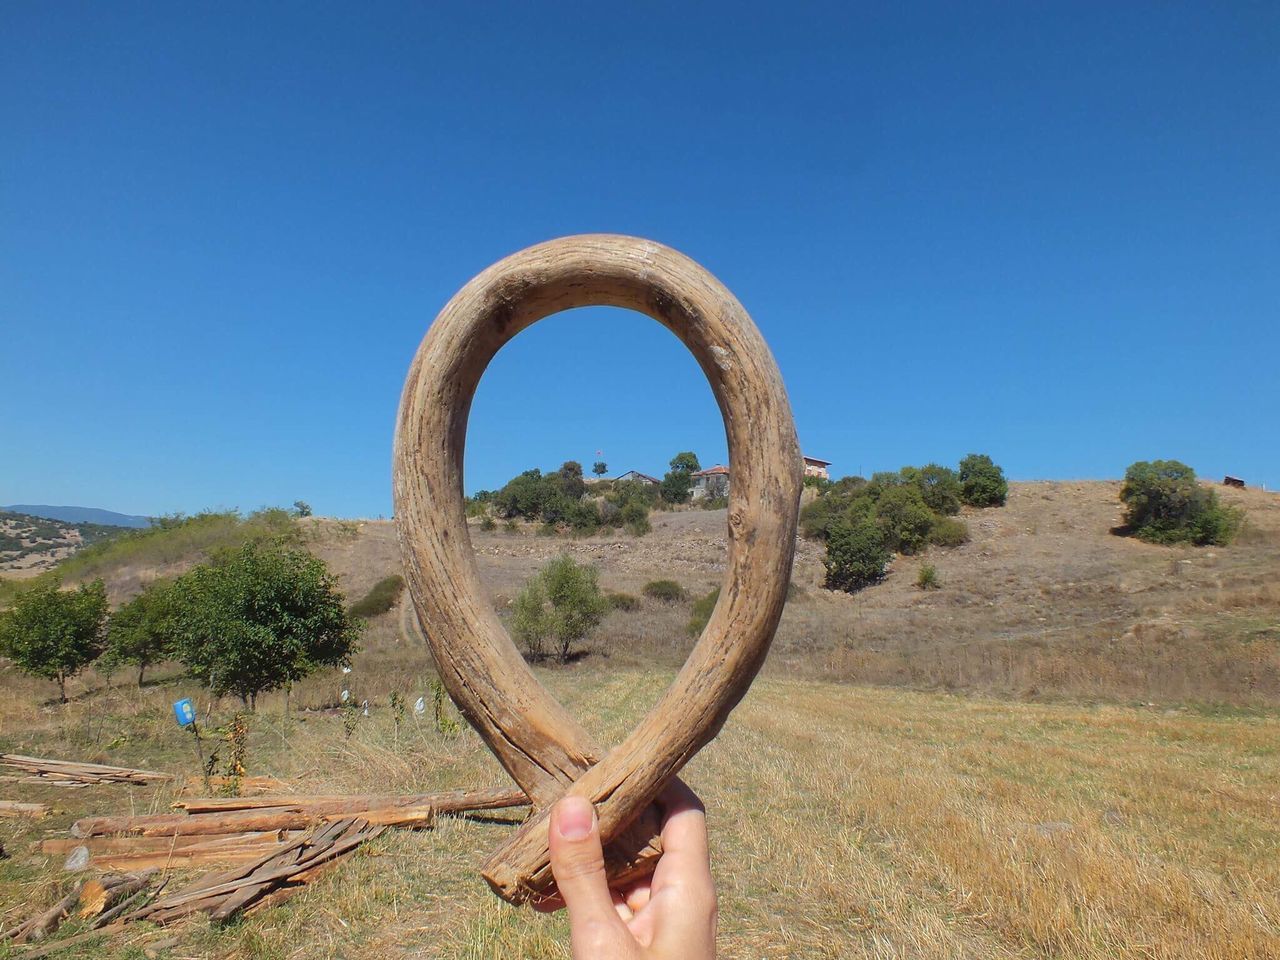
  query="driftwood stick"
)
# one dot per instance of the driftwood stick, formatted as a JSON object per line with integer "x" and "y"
{"x": 543, "y": 748}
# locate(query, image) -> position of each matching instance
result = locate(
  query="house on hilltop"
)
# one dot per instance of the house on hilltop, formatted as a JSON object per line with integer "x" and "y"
{"x": 638, "y": 477}
{"x": 813, "y": 467}
{"x": 712, "y": 482}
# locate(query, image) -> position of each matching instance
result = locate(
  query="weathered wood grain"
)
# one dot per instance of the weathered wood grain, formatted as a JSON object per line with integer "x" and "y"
{"x": 543, "y": 748}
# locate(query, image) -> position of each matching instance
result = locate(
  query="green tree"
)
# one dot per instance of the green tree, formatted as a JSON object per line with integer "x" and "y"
{"x": 685, "y": 462}
{"x": 904, "y": 519}
{"x": 678, "y": 482}
{"x": 55, "y": 633}
{"x": 939, "y": 488}
{"x": 571, "y": 481}
{"x": 599, "y": 468}
{"x": 302, "y": 508}
{"x": 982, "y": 483}
{"x": 143, "y": 631}
{"x": 523, "y": 496}
{"x": 856, "y": 554}
{"x": 1164, "y": 504}
{"x": 676, "y": 486}
{"x": 261, "y": 617}
{"x": 561, "y": 604}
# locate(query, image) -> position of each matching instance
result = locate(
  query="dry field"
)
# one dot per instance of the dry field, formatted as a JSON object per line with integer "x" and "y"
{"x": 847, "y": 821}
{"x": 1070, "y": 750}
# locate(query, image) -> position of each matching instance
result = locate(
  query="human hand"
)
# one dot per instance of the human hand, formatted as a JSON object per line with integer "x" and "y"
{"x": 669, "y": 916}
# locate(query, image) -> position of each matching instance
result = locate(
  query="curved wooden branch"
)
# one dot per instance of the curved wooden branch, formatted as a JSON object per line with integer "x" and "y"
{"x": 543, "y": 748}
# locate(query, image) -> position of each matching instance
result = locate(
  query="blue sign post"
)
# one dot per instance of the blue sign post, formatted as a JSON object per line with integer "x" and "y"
{"x": 184, "y": 711}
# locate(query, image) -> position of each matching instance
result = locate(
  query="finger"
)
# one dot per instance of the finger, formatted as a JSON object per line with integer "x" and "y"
{"x": 638, "y": 896}
{"x": 621, "y": 907}
{"x": 684, "y": 838}
{"x": 577, "y": 862}
{"x": 548, "y": 904}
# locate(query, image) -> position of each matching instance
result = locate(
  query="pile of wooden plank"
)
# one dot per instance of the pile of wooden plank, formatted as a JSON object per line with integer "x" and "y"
{"x": 15, "y": 808}
{"x": 239, "y": 815}
{"x": 164, "y": 853}
{"x": 272, "y": 846}
{"x": 68, "y": 773}
{"x": 269, "y": 879}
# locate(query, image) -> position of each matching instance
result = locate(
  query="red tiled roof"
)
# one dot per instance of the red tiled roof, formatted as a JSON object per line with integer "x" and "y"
{"x": 713, "y": 471}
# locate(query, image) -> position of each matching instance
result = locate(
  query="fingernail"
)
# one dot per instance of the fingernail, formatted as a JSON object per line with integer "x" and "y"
{"x": 575, "y": 817}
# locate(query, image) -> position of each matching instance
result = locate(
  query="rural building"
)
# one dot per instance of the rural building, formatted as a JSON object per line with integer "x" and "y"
{"x": 638, "y": 477}
{"x": 813, "y": 467}
{"x": 712, "y": 482}
{"x": 1231, "y": 481}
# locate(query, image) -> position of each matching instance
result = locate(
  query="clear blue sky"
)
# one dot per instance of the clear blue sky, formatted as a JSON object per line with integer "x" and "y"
{"x": 1046, "y": 231}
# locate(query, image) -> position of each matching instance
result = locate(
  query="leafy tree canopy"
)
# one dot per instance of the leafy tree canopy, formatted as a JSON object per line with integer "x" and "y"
{"x": 1164, "y": 504}
{"x": 261, "y": 617}
{"x": 54, "y": 633}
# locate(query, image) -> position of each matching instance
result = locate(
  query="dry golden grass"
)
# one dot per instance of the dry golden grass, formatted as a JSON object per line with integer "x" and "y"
{"x": 847, "y": 821}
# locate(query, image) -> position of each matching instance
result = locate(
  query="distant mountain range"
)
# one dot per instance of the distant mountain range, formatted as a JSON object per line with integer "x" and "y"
{"x": 79, "y": 515}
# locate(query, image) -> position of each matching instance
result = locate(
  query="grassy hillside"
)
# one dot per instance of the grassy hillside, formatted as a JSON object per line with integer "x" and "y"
{"x": 31, "y": 545}
{"x": 1042, "y": 602}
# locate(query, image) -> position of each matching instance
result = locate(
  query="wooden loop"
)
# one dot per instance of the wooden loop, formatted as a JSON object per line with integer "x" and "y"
{"x": 543, "y": 748}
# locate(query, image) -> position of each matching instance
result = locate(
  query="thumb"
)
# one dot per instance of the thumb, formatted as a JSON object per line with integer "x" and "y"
{"x": 577, "y": 862}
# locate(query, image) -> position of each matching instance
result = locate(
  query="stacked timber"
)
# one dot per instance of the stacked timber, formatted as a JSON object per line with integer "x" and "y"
{"x": 15, "y": 808}
{"x": 70, "y": 773}
{"x": 222, "y": 816}
{"x": 163, "y": 853}
{"x": 270, "y": 879}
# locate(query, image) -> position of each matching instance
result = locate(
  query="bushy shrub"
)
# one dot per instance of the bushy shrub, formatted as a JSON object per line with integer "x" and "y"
{"x": 927, "y": 578}
{"x": 816, "y": 517}
{"x": 1164, "y": 504}
{"x": 904, "y": 519}
{"x": 488, "y": 524}
{"x": 626, "y": 602}
{"x": 701, "y": 612}
{"x": 635, "y": 517}
{"x": 382, "y": 596}
{"x": 584, "y": 517}
{"x": 54, "y": 633}
{"x": 949, "y": 532}
{"x": 530, "y": 621}
{"x": 856, "y": 554}
{"x": 982, "y": 483}
{"x": 560, "y": 605}
{"x": 668, "y": 591}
